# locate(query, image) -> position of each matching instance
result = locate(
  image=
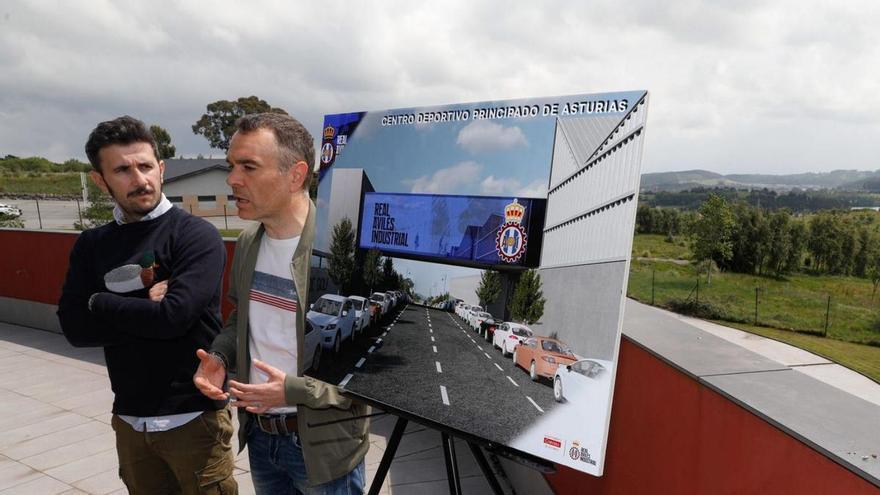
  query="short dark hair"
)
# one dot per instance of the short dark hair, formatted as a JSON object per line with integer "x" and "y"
{"x": 121, "y": 130}
{"x": 294, "y": 141}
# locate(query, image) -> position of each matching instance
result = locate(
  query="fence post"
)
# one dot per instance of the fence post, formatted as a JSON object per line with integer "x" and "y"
{"x": 39, "y": 216}
{"x": 827, "y": 313}
{"x": 756, "y": 306}
{"x": 79, "y": 212}
{"x": 653, "y": 273}
{"x": 225, "y": 220}
{"x": 698, "y": 289}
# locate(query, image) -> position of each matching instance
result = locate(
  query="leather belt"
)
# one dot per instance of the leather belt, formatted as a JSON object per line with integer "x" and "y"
{"x": 277, "y": 424}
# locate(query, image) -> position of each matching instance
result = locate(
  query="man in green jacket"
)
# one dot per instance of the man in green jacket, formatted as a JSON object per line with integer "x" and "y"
{"x": 303, "y": 435}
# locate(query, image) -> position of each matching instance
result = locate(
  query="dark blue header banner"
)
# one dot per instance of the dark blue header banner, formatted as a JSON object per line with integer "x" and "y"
{"x": 478, "y": 230}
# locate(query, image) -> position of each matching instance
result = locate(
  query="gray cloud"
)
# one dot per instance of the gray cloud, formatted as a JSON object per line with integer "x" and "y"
{"x": 736, "y": 86}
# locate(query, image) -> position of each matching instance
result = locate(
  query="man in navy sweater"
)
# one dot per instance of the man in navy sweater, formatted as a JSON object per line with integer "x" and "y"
{"x": 146, "y": 287}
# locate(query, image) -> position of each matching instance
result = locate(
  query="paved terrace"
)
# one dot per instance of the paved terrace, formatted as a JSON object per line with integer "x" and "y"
{"x": 55, "y": 434}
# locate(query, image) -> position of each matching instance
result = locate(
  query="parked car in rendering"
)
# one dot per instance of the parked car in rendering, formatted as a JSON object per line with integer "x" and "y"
{"x": 582, "y": 380}
{"x": 477, "y": 319}
{"x": 384, "y": 300}
{"x": 312, "y": 347}
{"x": 508, "y": 334}
{"x": 333, "y": 315}
{"x": 361, "y": 307}
{"x": 9, "y": 210}
{"x": 473, "y": 310}
{"x": 541, "y": 355}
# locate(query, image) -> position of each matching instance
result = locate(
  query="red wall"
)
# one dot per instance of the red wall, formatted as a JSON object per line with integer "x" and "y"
{"x": 33, "y": 265}
{"x": 669, "y": 434}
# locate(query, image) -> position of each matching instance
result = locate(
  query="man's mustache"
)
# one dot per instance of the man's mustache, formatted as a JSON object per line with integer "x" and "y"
{"x": 141, "y": 190}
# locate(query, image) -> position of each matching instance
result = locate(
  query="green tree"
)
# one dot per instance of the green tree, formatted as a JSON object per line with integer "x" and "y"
{"x": 340, "y": 265}
{"x": 163, "y": 142}
{"x": 779, "y": 244}
{"x": 218, "y": 123}
{"x": 389, "y": 278}
{"x": 527, "y": 303}
{"x": 489, "y": 288}
{"x": 372, "y": 274}
{"x": 10, "y": 222}
{"x": 798, "y": 238}
{"x": 99, "y": 211}
{"x": 712, "y": 232}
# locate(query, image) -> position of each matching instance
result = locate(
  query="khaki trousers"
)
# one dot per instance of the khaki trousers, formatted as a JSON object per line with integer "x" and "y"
{"x": 195, "y": 458}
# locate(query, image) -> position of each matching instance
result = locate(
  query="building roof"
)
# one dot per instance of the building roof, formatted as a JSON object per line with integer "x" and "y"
{"x": 179, "y": 168}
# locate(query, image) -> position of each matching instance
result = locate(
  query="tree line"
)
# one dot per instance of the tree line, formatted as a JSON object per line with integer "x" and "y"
{"x": 796, "y": 200}
{"x": 743, "y": 238}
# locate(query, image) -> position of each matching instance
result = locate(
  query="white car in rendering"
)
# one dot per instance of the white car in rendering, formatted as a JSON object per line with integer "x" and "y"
{"x": 585, "y": 380}
{"x": 333, "y": 315}
{"x": 361, "y": 307}
{"x": 471, "y": 312}
{"x": 312, "y": 347}
{"x": 383, "y": 300}
{"x": 9, "y": 210}
{"x": 508, "y": 335}
{"x": 479, "y": 318}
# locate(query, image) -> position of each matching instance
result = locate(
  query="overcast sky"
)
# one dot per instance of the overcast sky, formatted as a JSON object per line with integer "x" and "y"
{"x": 736, "y": 86}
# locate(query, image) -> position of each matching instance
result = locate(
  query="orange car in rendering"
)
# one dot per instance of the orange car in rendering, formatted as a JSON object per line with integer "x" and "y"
{"x": 540, "y": 356}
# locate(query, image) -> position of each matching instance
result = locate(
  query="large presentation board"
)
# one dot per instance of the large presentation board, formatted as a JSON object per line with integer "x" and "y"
{"x": 542, "y": 192}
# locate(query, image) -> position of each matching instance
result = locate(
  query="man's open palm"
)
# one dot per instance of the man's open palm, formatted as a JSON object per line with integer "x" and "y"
{"x": 210, "y": 375}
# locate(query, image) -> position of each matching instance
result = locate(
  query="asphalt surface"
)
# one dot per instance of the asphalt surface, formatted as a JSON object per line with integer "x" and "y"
{"x": 430, "y": 364}
{"x": 60, "y": 215}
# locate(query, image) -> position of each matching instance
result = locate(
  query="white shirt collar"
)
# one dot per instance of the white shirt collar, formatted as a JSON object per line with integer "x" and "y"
{"x": 160, "y": 209}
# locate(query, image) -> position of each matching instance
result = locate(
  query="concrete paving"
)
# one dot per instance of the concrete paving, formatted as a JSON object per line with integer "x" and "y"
{"x": 55, "y": 434}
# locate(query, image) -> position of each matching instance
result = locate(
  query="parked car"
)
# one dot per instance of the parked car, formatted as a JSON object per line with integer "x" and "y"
{"x": 477, "y": 319}
{"x": 334, "y": 316}
{"x": 9, "y": 210}
{"x": 392, "y": 297}
{"x": 361, "y": 307}
{"x": 488, "y": 326}
{"x": 508, "y": 334}
{"x": 384, "y": 300}
{"x": 312, "y": 347}
{"x": 582, "y": 380}
{"x": 541, "y": 355}
{"x": 471, "y": 312}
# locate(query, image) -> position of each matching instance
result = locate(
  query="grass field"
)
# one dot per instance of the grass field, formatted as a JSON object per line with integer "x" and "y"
{"x": 54, "y": 183}
{"x": 791, "y": 310}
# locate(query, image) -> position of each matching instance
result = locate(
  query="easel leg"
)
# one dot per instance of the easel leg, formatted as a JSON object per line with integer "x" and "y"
{"x": 451, "y": 464}
{"x": 487, "y": 470}
{"x": 388, "y": 456}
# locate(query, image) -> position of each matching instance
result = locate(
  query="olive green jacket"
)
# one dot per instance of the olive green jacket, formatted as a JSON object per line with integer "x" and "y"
{"x": 330, "y": 451}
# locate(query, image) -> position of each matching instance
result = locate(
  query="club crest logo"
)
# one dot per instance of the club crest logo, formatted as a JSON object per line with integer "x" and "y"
{"x": 327, "y": 153}
{"x": 510, "y": 241}
{"x": 329, "y": 133}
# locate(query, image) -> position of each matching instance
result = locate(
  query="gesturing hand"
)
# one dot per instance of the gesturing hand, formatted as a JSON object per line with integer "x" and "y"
{"x": 210, "y": 375}
{"x": 258, "y": 398}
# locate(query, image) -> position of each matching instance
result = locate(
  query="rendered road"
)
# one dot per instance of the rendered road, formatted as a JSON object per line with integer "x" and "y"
{"x": 431, "y": 364}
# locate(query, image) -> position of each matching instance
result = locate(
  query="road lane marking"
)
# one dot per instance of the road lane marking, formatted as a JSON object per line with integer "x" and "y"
{"x": 386, "y": 333}
{"x": 378, "y": 341}
{"x": 533, "y": 403}
{"x": 439, "y": 369}
{"x": 432, "y": 338}
{"x": 435, "y": 348}
{"x": 499, "y": 367}
{"x": 472, "y": 340}
{"x": 513, "y": 382}
{"x": 444, "y": 395}
{"x": 371, "y": 349}
{"x": 345, "y": 380}
{"x": 431, "y": 331}
{"x": 488, "y": 356}
{"x": 480, "y": 348}
{"x": 360, "y": 363}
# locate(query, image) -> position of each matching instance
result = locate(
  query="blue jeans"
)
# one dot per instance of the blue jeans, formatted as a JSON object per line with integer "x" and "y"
{"x": 278, "y": 468}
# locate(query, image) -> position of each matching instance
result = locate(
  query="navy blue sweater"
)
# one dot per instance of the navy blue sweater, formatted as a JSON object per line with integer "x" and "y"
{"x": 150, "y": 347}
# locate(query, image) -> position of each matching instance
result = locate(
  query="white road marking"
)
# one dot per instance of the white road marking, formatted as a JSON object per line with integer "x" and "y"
{"x": 488, "y": 356}
{"x": 360, "y": 363}
{"x": 439, "y": 369}
{"x": 431, "y": 331}
{"x": 444, "y": 395}
{"x": 371, "y": 349}
{"x": 378, "y": 341}
{"x": 533, "y": 403}
{"x": 345, "y": 380}
{"x": 472, "y": 340}
{"x": 513, "y": 382}
{"x": 499, "y": 367}
{"x": 386, "y": 333}
{"x": 480, "y": 348}
{"x": 432, "y": 338}
{"x": 434, "y": 347}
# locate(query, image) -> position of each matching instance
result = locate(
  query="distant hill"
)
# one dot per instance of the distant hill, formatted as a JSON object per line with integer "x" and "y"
{"x": 848, "y": 180}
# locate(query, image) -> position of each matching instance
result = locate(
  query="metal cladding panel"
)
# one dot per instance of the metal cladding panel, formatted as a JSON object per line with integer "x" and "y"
{"x": 633, "y": 121}
{"x": 605, "y": 235}
{"x": 582, "y": 135}
{"x": 614, "y": 174}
